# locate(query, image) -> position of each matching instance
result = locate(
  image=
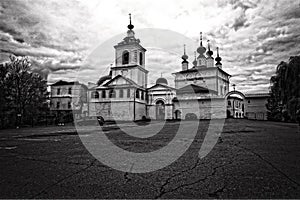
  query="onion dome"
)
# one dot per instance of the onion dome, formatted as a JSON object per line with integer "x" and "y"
{"x": 130, "y": 26}
{"x": 195, "y": 61}
{"x": 184, "y": 57}
{"x": 201, "y": 50}
{"x": 218, "y": 58}
{"x": 162, "y": 80}
{"x": 209, "y": 52}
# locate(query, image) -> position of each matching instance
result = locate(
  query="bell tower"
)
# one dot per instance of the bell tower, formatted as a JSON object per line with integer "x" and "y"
{"x": 130, "y": 58}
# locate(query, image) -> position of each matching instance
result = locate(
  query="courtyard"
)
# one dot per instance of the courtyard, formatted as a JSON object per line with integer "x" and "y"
{"x": 252, "y": 159}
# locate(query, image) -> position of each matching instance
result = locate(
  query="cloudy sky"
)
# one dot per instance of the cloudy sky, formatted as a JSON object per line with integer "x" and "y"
{"x": 73, "y": 39}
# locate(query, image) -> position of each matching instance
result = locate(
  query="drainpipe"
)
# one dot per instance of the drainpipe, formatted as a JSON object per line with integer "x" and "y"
{"x": 134, "y": 104}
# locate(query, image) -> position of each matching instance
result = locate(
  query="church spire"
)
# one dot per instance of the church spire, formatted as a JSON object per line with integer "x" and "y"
{"x": 184, "y": 63}
{"x": 218, "y": 59}
{"x": 130, "y": 26}
{"x": 209, "y": 52}
{"x": 195, "y": 61}
{"x": 201, "y": 50}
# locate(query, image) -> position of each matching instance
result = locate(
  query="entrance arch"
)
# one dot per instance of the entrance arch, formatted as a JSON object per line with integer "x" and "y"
{"x": 160, "y": 110}
{"x": 235, "y": 101}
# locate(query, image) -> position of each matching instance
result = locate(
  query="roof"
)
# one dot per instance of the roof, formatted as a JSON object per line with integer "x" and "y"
{"x": 62, "y": 83}
{"x": 120, "y": 76}
{"x": 194, "y": 89}
{"x": 257, "y": 95}
{"x": 202, "y": 69}
{"x": 162, "y": 85}
{"x": 162, "y": 80}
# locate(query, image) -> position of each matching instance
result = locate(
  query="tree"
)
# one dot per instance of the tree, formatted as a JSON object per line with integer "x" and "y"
{"x": 24, "y": 93}
{"x": 285, "y": 91}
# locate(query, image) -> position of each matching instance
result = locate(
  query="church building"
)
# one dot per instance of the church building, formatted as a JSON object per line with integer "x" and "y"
{"x": 200, "y": 91}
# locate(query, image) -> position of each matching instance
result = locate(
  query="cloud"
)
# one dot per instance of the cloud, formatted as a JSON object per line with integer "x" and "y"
{"x": 59, "y": 36}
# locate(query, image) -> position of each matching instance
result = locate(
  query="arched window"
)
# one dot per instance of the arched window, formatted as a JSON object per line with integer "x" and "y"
{"x": 141, "y": 58}
{"x": 125, "y": 58}
{"x": 95, "y": 95}
{"x": 137, "y": 94}
{"x": 103, "y": 94}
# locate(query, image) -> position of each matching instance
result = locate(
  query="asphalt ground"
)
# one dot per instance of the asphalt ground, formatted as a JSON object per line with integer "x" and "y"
{"x": 252, "y": 159}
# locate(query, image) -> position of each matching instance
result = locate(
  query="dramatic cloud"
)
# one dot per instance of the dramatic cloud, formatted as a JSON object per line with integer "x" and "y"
{"x": 61, "y": 37}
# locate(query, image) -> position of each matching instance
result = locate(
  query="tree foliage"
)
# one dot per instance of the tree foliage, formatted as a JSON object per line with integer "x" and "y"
{"x": 22, "y": 93}
{"x": 285, "y": 91}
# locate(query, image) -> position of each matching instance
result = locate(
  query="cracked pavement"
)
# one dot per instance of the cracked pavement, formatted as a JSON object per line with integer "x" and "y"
{"x": 253, "y": 159}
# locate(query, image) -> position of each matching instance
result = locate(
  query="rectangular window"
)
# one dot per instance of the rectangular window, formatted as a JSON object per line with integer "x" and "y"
{"x": 70, "y": 91}
{"x": 69, "y": 105}
{"x": 128, "y": 93}
{"x": 58, "y": 91}
{"x": 137, "y": 94}
{"x": 103, "y": 95}
{"x": 142, "y": 95}
{"x": 57, "y": 105}
{"x": 112, "y": 94}
{"x": 121, "y": 93}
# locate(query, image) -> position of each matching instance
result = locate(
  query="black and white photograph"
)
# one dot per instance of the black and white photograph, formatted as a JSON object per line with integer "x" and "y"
{"x": 148, "y": 99}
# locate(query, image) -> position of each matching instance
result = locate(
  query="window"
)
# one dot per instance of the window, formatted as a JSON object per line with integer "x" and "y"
{"x": 58, "y": 91}
{"x": 103, "y": 95}
{"x": 121, "y": 93}
{"x": 70, "y": 91}
{"x": 221, "y": 89}
{"x": 69, "y": 105}
{"x": 95, "y": 95}
{"x": 229, "y": 103}
{"x": 142, "y": 95}
{"x": 249, "y": 101}
{"x": 57, "y": 105}
{"x": 112, "y": 93}
{"x": 137, "y": 94}
{"x": 128, "y": 93}
{"x": 141, "y": 58}
{"x": 125, "y": 58}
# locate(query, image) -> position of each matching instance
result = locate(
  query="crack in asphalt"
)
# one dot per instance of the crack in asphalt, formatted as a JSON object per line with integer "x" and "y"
{"x": 167, "y": 181}
{"x": 215, "y": 194}
{"x": 163, "y": 191}
{"x": 63, "y": 179}
{"x": 267, "y": 162}
{"x": 126, "y": 175}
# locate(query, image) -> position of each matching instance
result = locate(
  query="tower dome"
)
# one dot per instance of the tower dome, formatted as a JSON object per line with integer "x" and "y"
{"x": 162, "y": 80}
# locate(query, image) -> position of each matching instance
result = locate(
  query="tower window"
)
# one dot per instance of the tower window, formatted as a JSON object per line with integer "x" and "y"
{"x": 125, "y": 58}
{"x": 141, "y": 58}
